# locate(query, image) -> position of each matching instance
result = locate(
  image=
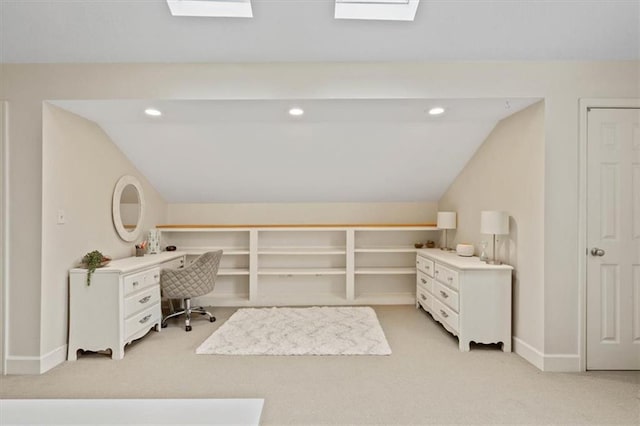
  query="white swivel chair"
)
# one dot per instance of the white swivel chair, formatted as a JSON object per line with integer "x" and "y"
{"x": 196, "y": 279}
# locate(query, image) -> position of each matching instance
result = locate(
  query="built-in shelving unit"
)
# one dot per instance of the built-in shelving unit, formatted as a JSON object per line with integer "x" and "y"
{"x": 329, "y": 264}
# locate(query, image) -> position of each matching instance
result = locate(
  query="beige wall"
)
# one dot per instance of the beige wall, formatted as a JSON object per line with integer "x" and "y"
{"x": 560, "y": 84}
{"x": 80, "y": 168}
{"x": 306, "y": 213}
{"x": 507, "y": 173}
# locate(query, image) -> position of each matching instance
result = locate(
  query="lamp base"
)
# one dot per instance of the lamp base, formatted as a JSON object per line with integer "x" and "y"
{"x": 494, "y": 262}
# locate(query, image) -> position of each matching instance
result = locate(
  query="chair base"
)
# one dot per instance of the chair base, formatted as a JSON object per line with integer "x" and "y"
{"x": 187, "y": 311}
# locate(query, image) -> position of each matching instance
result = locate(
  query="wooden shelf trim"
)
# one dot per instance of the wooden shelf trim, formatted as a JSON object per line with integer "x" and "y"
{"x": 301, "y": 225}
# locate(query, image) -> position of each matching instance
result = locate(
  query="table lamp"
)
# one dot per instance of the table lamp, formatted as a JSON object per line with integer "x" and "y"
{"x": 496, "y": 223}
{"x": 446, "y": 220}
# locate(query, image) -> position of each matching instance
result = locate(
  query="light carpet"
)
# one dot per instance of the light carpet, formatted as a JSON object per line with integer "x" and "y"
{"x": 299, "y": 331}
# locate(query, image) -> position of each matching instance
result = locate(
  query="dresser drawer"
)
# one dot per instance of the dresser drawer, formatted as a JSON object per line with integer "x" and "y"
{"x": 424, "y": 280}
{"x": 173, "y": 264}
{"x": 446, "y": 314}
{"x": 425, "y": 265}
{"x": 424, "y": 298}
{"x": 447, "y": 276}
{"x": 141, "y": 300}
{"x": 142, "y": 320}
{"x": 135, "y": 282}
{"x": 446, "y": 295}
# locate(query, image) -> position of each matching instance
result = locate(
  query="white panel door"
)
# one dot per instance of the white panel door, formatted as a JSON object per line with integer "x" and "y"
{"x": 613, "y": 239}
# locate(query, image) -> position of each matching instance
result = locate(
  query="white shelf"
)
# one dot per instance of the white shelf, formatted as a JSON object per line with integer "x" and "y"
{"x": 385, "y": 299}
{"x": 303, "y": 250}
{"x": 233, "y": 271}
{"x": 302, "y": 271}
{"x": 228, "y": 251}
{"x": 387, "y": 249}
{"x": 386, "y": 271}
{"x": 333, "y": 264}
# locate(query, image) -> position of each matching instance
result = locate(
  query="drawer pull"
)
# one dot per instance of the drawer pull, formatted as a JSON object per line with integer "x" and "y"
{"x": 144, "y": 299}
{"x": 449, "y": 279}
{"x": 155, "y": 277}
{"x": 145, "y": 319}
{"x": 135, "y": 283}
{"x": 443, "y": 313}
{"x": 445, "y": 295}
{"x": 437, "y": 272}
{"x": 423, "y": 297}
{"x": 423, "y": 280}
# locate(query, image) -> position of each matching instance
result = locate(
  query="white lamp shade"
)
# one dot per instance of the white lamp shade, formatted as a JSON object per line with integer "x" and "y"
{"x": 494, "y": 222}
{"x": 447, "y": 220}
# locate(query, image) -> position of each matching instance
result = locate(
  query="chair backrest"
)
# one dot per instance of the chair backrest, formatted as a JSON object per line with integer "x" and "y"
{"x": 196, "y": 279}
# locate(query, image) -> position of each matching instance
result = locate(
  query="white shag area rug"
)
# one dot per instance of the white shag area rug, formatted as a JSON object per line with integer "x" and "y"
{"x": 299, "y": 331}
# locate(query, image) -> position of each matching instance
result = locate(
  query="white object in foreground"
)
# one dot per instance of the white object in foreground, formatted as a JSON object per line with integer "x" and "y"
{"x": 130, "y": 411}
{"x": 299, "y": 331}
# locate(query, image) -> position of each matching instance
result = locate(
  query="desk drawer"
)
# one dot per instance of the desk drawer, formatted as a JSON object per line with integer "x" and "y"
{"x": 425, "y": 265}
{"x": 424, "y": 280}
{"x": 446, "y": 314}
{"x": 141, "y": 300}
{"x": 447, "y": 296}
{"x": 142, "y": 320}
{"x": 135, "y": 282}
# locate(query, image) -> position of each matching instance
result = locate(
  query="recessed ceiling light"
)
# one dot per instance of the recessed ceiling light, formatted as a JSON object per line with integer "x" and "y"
{"x": 296, "y": 111}
{"x": 152, "y": 112}
{"x": 436, "y": 111}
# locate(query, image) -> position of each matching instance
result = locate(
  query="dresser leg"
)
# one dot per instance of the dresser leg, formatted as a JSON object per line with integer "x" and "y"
{"x": 72, "y": 354}
{"x": 117, "y": 353}
{"x": 463, "y": 345}
{"x": 506, "y": 345}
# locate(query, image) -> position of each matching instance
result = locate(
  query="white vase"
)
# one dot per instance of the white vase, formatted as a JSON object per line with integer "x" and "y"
{"x": 154, "y": 241}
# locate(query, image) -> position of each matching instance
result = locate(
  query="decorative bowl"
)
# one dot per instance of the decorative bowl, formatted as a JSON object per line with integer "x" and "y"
{"x": 418, "y": 245}
{"x": 465, "y": 250}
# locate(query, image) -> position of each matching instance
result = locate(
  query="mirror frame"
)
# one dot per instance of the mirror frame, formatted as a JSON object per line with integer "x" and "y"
{"x": 123, "y": 232}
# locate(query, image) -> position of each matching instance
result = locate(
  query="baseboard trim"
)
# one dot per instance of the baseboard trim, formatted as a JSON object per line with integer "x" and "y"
{"x": 53, "y": 358}
{"x": 529, "y": 353}
{"x": 566, "y": 363}
{"x": 36, "y": 364}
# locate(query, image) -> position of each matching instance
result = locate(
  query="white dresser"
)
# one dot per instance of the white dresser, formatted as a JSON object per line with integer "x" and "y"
{"x": 121, "y": 304}
{"x": 471, "y": 299}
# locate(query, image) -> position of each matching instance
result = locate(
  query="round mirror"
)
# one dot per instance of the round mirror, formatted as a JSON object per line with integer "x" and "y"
{"x": 128, "y": 208}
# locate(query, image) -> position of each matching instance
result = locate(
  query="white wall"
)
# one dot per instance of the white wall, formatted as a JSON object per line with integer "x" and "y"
{"x": 80, "y": 168}
{"x": 305, "y": 213}
{"x": 507, "y": 173}
{"x": 560, "y": 84}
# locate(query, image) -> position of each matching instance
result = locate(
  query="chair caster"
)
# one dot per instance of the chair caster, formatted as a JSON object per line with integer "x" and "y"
{"x": 212, "y": 319}
{"x": 188, "y": 328}
{"x": 164, "y": 325}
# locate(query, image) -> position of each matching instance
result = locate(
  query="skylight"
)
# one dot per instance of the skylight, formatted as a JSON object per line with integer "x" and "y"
{"x": 211, "y": 8}
{"x": 385, "y": 10}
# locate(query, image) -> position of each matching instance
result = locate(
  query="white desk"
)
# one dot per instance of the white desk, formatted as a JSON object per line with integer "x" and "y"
{"x": 121, "y": 304}
{"x": 131, "y": 411}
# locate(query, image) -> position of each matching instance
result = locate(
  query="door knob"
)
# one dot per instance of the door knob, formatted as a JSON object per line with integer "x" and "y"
{"x": 597, "y": 252}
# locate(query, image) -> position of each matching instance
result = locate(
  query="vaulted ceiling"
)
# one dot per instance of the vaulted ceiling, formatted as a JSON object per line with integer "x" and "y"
{"x": 339, "y": 150}
{"x": 34, "y": 31}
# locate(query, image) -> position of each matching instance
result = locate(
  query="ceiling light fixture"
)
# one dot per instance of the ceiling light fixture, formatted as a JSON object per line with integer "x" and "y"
{"x": 436, "y": 111}
{"x": 296, "y": 111}
{"x": 152, "y": 112}
{"x": 383, "y": 10}
{"x": 211, "y": 8}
